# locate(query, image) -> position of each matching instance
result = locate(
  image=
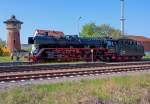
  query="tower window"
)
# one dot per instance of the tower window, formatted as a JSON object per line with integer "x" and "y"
{"x": 14, "y": 41}
{"x": 14, "y": 24}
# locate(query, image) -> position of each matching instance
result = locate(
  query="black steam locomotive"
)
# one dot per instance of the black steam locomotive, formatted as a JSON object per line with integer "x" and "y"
{"x": 74, "y": 48}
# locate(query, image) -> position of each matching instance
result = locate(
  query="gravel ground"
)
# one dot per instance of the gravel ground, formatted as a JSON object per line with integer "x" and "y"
{"x": 6, "y": 85}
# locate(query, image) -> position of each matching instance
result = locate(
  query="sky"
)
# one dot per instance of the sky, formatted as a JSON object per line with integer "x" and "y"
{"x": 62, "y": 15}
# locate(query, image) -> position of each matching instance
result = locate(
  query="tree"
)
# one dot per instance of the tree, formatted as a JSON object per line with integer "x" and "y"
{"x": 88, "y": 30}
{"x": 104, "y": 30}
{"x": 1, "y": 51}
{"x": 116, "y": 34}
{"x": 2, "y": 43}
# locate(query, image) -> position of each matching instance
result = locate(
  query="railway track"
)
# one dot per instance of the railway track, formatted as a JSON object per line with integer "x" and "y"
{"x": 26, "y": 68}
{"x": 15, "y": 63}
{"x": 49, "y": 74}
{"x": 4, "y": 64}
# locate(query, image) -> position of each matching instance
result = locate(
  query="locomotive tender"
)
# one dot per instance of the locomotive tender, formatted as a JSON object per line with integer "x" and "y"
{"x": 74, "y": 48}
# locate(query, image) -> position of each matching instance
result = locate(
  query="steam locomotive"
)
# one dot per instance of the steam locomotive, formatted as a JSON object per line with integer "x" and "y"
{"x": 74, "y": 48}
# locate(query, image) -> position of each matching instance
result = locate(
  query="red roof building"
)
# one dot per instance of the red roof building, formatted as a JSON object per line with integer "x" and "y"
{"x": 144, "y": 40}
{"x": 49, "y": 33}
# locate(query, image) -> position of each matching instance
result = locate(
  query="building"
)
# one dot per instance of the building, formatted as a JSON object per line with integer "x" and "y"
{"x": 144, "y": 40}
{"x": 13, "y": 38}
{"x": 49, "y": 33}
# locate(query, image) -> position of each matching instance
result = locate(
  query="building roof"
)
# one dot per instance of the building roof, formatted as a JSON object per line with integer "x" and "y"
{"x": 49, "y": 32}
{"x": 144, "y": 40}
{"x": 139, "y": 38}
{"x": 13, "y": 20}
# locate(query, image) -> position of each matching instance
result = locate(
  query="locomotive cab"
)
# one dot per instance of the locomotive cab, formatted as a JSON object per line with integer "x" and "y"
{"x": 111, "y": 45}
{"x": 130, "y": 48}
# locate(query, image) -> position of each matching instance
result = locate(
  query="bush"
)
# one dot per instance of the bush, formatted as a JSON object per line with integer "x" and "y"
{"x": 4, "y": 51}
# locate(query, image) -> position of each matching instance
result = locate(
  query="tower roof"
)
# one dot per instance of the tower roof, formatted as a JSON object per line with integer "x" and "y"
{"x": 13, "y": 20}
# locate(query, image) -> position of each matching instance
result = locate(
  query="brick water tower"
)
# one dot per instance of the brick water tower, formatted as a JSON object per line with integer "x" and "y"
{"x": 13, "y": 39}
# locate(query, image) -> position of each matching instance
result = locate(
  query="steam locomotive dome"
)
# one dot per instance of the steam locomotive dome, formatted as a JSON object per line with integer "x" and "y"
{"x": 91, "y": 42}
{"x": 44, "y": 40}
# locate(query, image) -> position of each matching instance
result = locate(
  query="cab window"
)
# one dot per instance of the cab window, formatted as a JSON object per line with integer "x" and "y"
{"x": 110, "y": 43}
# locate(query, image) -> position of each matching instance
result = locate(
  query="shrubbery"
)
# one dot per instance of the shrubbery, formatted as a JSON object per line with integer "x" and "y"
{"x": 4, "y": 51}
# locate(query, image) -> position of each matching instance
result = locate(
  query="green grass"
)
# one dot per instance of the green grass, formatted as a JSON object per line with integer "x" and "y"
{"x": 7, "y": 59}
{"x": 133, "y": 89}
{"x": 4, "y": 59}
{"x": 147, "y": 56}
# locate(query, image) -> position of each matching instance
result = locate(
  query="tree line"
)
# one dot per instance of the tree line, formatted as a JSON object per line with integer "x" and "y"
{"x": 103, "y": 30}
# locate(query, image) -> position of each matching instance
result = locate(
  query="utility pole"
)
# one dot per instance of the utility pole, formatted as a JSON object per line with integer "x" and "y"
{"x": 122, "y": 19}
